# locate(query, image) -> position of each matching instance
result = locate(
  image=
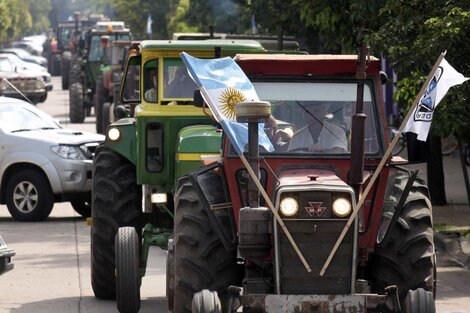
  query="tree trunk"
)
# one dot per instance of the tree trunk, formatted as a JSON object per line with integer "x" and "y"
{"x": 435, "y": 171}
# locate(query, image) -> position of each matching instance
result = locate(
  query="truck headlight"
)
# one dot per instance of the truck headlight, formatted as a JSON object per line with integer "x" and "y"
{"x": 69, "y": 152}
{"x": 289, "y": 206}
{"x": 341, "y": 207}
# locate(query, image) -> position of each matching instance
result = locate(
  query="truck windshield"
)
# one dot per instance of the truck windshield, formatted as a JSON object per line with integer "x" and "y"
{"x": 315, "y": 117}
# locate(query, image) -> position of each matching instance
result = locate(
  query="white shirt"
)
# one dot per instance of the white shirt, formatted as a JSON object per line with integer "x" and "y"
{"x": 331, "y": 136}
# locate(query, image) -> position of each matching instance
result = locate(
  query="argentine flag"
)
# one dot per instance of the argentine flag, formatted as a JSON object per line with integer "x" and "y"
{"x": 223, "y": 84}
{"x": 443, "y": 79}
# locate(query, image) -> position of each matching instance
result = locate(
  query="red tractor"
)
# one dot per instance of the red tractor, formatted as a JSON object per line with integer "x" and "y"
{"x": 229, "y": 253}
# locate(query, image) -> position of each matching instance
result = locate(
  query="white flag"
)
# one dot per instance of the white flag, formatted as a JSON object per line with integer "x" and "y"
{"x": 444, "y": 78}
{"x": 149, "y": 25}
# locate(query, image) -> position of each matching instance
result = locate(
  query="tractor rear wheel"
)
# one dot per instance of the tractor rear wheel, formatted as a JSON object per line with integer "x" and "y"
{"x": 201, "y": 261}
{"x": 116, "y": 202}
{"x": 65, "y": 67}
{"x": 99, "y": 99}
{"x": 76, "y": 110}
{"x": 406, "y": 257}
{"x": 128, "y": 277}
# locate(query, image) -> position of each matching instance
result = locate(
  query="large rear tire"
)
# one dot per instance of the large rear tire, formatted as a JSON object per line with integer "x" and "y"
{"x": 116, "y": 202}
{"x": 201, "y": 261}
{"x": 99, "y": 99}
{"x": 406, "y": 257}
{"x": 128, "y": 277}
{"x": 76, "y": 110}
{"x": 65, "y": 67}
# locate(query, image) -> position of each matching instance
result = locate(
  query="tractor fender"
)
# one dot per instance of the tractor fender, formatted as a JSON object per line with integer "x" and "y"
{"x": 195, "y": 143}
{"x": 126, "y": 144}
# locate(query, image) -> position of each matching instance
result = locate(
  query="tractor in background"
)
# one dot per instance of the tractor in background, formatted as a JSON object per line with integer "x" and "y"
{"x": 158, "y": 136}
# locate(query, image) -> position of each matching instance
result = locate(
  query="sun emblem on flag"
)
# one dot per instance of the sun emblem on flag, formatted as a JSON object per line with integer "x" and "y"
{"x": 228, "y": 99}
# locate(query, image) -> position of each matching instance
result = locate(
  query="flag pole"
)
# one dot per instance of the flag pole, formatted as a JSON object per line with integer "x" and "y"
{"x": 387, "y": 154}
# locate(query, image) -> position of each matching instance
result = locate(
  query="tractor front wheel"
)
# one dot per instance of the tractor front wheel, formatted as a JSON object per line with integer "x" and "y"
{"x": 201, "y": 261}
{"x": 76, "y": 110}
{"x": 116, "y": 202}
{"x": 418, "y": 301}
{"x": 128, "y": 277}
{"x": 206, "y": 301}
{"x": 406, "y": 256}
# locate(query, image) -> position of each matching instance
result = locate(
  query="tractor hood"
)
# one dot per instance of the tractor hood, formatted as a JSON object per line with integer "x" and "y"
{"x": 309, "y": 176}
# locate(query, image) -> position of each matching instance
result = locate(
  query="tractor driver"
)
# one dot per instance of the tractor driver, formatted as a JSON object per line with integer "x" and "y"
{"x": 319, "y": 134}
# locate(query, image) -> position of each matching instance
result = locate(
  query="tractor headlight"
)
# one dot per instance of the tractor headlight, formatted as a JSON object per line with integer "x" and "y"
{"x": 114, "y": 134}
{"x": 289, "y": 206}
{"x": 341, "y": 207}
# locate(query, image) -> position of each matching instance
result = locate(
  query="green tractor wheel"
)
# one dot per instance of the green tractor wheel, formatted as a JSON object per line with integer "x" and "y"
{"x": 76, "y": 110}
{"x": 406, "y": 257}
{"x": 116, "y": 202}
{"x": 201, "y": 261}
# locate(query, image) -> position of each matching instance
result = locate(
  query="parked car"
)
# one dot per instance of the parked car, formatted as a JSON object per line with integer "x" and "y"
{"x": 22, "y": 85}
{"x": 5, "y": 257}
{"x": 25, "y": 66}
{"x": 42, "y": 163}
{"x": 26, "y": 56}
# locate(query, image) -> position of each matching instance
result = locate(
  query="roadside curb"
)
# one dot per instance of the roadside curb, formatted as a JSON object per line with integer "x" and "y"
{"x": 453, "y": 244}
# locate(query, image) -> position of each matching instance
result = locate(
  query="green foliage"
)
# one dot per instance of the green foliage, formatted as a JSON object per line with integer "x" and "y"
{"x": 414, "y": 41}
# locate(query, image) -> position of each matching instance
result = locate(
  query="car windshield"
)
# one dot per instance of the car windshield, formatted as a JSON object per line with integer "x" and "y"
{"x": 315, "y": 117}
{"x": 17, "y": 118}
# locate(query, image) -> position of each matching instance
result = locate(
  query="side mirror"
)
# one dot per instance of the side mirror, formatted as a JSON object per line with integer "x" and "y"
{"x": 198, "y": 100}
{"x": 120, "y": 111}
{"x": 383, "y": 77}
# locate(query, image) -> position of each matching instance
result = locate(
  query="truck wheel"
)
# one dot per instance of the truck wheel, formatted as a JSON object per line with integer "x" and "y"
{"x": 65, "y": 67}
{"x": 116, "y": 202}
{"x": 206, "y": 301}
{"x": 128, "y": 277}
{"x": 76, "y": 110}
{"x": 29, "y": 196}
{"x": 418, "y": 301}
{"x": 81, "y": 207}
{"x": 201, "y": 261}
{"x": 406, "y": 257}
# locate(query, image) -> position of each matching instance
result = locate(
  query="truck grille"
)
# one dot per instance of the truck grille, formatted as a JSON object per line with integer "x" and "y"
{"x": 24, "y": 84}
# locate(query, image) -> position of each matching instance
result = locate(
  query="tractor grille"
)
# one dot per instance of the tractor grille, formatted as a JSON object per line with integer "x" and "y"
{"x": 315, "y": 240}
{"x": 315, "y": 234}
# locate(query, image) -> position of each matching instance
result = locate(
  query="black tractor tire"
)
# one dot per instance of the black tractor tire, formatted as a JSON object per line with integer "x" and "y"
{"x": 75, "y": 71}
{"x": 100, "y": 98}
{"x": 406, "y": 257}
{"x": 201, "y": 261}
{"x": 106, "y": 121}
{"x": 55, "y": 65}
{"x": 128, "y": 277}
{"x": 29, "y": 197}
{"x": 116, "y": 202}
{"x": 82, "y": 207}
{"x": 206, "y": 301}
{"x": 170, "y": 275}
{"x": 419, "y": 301}
{"x": 76, "y": 110}
{"x": 65, "y": 68}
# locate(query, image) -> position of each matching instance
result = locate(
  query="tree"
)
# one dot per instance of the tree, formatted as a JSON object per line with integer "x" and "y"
{"x": 413, "y": 35}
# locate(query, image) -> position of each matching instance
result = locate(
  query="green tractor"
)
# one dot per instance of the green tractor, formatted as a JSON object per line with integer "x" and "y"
{"x": 159, "y": 136}
{"x": 108, "y": 82}
{"x": 315, "y": 241}
{"x": 85, "y": 67}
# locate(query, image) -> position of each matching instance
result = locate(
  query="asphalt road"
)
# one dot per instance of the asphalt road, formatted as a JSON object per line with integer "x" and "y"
{"x": 52, "y": 265}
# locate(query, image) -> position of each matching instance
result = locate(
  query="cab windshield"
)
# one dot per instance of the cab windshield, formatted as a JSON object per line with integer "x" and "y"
{"x": 315, "y": 117}
{"x": 176, "y": 81}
